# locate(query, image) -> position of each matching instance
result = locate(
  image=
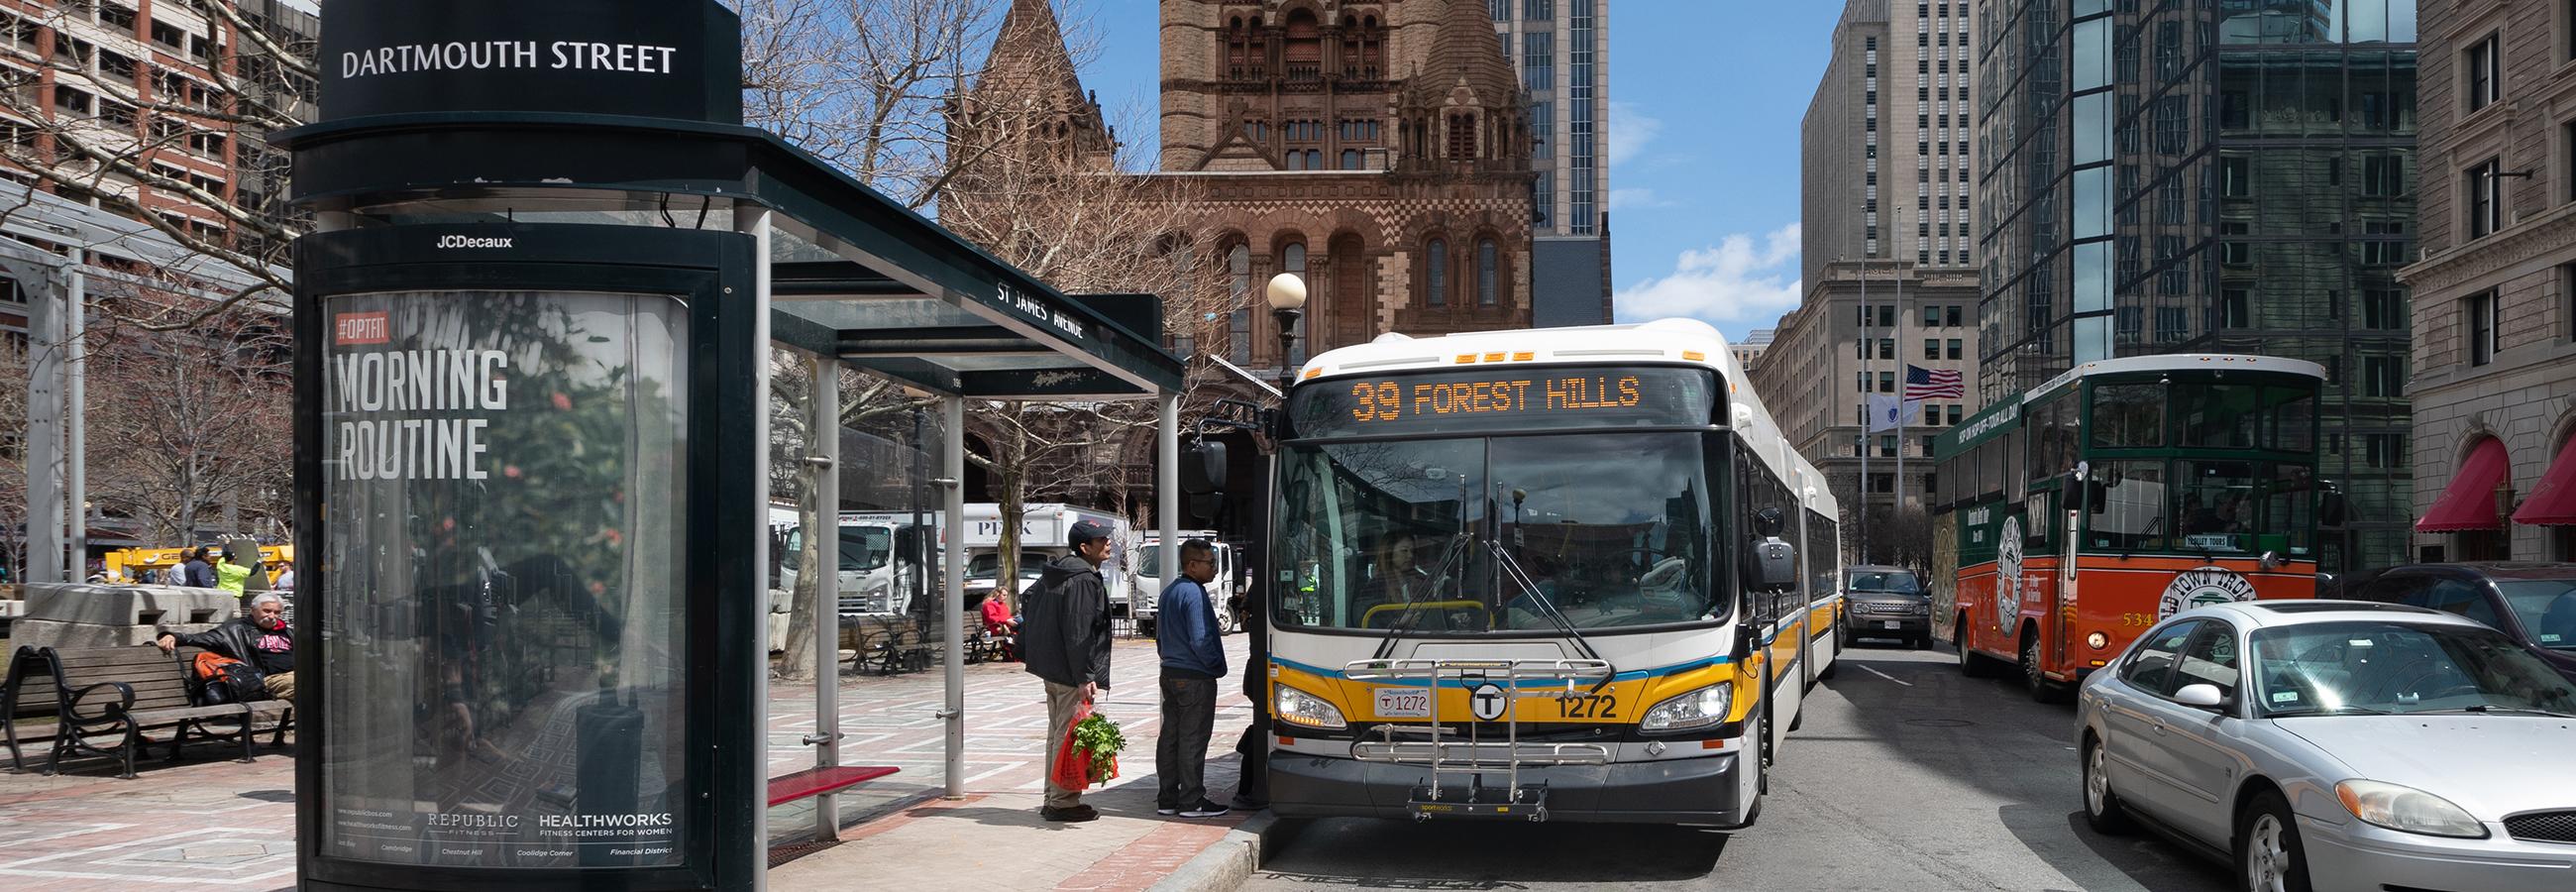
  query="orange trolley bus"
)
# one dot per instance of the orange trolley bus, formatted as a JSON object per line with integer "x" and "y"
{"x": 2120, "y": 493}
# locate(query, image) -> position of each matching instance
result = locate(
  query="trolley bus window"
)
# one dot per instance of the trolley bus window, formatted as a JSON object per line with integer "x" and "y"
{"x": 2218, "y": 504}
{"x": 1612, "y": 528}
{"x": 2133, "y": 515}
{"x": 2289, "y": 508}
{"x": 2290, "y": 418}
{"x": 2128, "y": 416}
{"x": 2218, "y": 415}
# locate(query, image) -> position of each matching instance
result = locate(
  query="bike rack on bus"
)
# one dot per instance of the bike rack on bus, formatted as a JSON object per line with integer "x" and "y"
{"x": 1397, "y": 744}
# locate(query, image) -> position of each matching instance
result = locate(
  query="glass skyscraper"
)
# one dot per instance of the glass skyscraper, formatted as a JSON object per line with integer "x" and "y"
{"x": 2223, "y": 176}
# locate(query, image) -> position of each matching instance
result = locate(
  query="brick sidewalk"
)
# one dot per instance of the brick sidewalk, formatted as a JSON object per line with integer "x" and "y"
{"x": 213, "y": 823}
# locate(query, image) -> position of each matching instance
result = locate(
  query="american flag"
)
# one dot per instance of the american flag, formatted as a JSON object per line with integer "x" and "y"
{"x": 1926, "y": 384}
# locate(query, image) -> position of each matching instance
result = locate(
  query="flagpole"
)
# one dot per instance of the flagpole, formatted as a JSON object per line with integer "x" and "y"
{"x": 1901, "y": 312}
{"x": 1869, "y": 413}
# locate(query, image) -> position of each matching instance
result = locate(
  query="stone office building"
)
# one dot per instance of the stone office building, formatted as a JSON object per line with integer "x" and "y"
{"x": 2494, "y": 383}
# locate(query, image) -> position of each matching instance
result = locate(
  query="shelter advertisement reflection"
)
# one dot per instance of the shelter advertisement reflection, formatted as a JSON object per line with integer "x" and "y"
{"x": 504, "y": 483}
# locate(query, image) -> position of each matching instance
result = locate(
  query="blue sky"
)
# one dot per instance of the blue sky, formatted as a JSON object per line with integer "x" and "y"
{"x": 1706, "y": 98}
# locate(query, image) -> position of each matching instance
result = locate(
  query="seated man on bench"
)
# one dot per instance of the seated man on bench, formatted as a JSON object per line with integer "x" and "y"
{"x": 261, "y": 639}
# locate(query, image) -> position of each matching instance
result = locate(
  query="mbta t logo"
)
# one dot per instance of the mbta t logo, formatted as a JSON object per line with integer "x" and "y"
{"x": 1487, "y": 702}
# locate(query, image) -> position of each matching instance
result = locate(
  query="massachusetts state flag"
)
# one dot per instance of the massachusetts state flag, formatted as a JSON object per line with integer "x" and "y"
{"x": 1925, "y": 384}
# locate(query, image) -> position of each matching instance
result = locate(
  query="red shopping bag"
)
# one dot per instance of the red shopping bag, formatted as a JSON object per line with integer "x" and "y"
{"x": 1072, "y": 768}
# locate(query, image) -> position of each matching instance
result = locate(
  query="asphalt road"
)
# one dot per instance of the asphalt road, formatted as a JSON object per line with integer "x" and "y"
{"x": 1905, "y": 777}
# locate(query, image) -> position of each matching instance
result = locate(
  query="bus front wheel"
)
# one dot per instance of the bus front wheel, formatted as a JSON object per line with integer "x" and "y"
{"x": 1970, "y": 664}
{"x": 2042, "y": 688}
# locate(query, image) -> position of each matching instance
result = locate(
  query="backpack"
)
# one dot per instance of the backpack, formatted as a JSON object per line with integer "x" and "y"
{"x": 222, "y": 679}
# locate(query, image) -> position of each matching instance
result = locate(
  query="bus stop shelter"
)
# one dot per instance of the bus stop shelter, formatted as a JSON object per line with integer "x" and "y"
{"x": 533, "y": 322}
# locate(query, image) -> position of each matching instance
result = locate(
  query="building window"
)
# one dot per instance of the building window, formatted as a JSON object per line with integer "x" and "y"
{"x": 1487, "y": 260}
{"x": 2485, "y": 206}
{"x": 2235, "y": 308}
{"x": 2482, "y": 325}
{"x": 1887, "y": 348}
{"x": 1887, "y": 319}
{"x": 1931, "y": 348}
{"x": 1931, "y": 317}
{"x": 1886, "y": 449}
{"x": 2567, "y": 299}
{"x": 1954, "y": 348}
{"x": 1952, "y": 315}
{"x": 1887, "y": 382}
{"x": 1436, "y": 273}
{"x": 1955, "y": 411}
{"x": 2383, "y": 308}
{"x": 2383, "y": 376}
{"x": 2482, "y": 70}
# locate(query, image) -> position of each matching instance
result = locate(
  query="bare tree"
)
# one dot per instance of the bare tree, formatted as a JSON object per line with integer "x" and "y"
{"x": 185, "y": 423}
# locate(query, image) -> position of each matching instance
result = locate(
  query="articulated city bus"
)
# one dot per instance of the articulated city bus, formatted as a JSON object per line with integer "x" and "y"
{"x": 1571, "y": 573}
{"x": 2120, "y": 493}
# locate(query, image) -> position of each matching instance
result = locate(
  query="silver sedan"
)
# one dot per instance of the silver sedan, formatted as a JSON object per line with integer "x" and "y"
{"x": 2339, "y": 745}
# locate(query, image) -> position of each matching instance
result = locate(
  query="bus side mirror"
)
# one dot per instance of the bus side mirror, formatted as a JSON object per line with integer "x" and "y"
{"x": 1203, "y": 469}
{"x": 1775, "y": 564}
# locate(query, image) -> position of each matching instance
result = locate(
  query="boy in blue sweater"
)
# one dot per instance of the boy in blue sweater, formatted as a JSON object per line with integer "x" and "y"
{"x": 1193, "y": 659}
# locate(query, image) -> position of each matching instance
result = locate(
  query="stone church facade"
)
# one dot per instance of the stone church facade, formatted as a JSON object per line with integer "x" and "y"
{"x": 1380, "y": 150}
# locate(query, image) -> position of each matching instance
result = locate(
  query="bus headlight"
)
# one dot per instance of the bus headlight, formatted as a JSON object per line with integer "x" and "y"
{"x": 1697, "y": 709}
{"x": 1307, "y": 710}
{"x": 2098, "y": 640}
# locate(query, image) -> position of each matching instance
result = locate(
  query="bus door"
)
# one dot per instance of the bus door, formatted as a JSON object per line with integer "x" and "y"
{"x": 2061, "y": 615}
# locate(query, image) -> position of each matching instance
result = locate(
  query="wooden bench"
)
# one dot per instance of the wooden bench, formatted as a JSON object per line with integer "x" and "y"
{"x": 818, "y": 781}
{"x": 118, "y": 692}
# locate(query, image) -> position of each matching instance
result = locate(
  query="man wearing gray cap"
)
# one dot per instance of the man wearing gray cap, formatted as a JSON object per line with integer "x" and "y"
{"x": 1064, "y": 640}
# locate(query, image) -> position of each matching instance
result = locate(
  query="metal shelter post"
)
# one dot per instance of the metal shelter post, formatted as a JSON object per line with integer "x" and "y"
{"x": 952, "y": 482}
{"x": 1167, "y": 493}
{"x": 44, "y": 422}
{"x": 827, "y": 589}
{"x": 76, "y": 414}
{"x": 755, "y": 221}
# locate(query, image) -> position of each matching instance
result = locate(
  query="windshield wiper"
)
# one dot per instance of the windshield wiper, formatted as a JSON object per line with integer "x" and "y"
{"x": 2490, "y": 708}
{"x": 1548, "y": 607}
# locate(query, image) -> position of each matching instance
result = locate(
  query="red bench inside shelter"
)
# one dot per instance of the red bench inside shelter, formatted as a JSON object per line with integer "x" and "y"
{"x": 818, "y": 781}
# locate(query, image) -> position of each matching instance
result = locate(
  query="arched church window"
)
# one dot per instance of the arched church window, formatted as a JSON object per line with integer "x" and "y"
{"x": 1304, "y": 53}
{"x": 1488, "y": 262}
{"x": 1238, "y": 267}
{"x": 1435, "y": 277}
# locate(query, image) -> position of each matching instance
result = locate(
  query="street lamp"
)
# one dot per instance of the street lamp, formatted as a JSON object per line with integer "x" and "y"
{"x": 1287, "y": 302}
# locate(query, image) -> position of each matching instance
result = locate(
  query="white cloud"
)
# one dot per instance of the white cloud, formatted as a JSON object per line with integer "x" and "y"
{"x": 1636, "y": 199}
{"x": 1744, "y": 278}
{"x": 1630, "y": 131}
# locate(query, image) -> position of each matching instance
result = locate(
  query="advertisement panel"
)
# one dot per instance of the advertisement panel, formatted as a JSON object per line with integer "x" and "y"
{"x": 505, "y": 476}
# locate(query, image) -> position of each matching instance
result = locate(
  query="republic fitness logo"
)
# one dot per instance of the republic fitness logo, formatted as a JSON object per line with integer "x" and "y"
{"x": 2202, "y": 587}
{"x": 2008, "y": 574}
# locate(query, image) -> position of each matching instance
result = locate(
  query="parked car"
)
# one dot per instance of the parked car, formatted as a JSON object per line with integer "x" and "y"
{"x": 1886, "y": 602}
{"x": 2533, "y": 603}
{"x": 2338, "y": 745}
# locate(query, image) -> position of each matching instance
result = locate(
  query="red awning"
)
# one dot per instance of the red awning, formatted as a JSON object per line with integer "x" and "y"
{"x": 2469, "y": 502}
{"x": 2553, "y": 502}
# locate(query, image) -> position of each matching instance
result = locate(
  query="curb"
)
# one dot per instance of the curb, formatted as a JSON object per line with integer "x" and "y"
{"x": 1227, "y": 865}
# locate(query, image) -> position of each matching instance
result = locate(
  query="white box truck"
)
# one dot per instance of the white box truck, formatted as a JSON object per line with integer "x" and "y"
{"x": 880, "y": 563}
{"x": 1042, "y": 530}
{"x": 1148, "y": 563}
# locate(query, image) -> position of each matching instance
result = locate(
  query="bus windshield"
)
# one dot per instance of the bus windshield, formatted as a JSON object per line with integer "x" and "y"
{"x": 1481, "y": 535}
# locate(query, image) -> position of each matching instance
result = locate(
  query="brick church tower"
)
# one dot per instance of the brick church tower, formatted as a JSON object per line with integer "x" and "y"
{"x": 1378, "y": 149}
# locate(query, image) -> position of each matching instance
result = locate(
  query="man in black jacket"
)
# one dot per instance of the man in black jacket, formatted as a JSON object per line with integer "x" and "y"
{"x": 1064, "y": 640}
{"x": 261, "y": 639}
